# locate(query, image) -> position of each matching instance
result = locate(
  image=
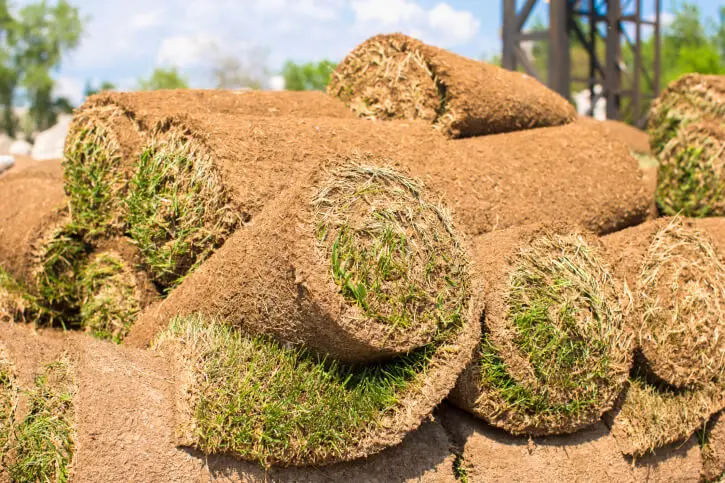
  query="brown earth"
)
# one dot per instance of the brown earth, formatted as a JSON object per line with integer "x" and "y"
{"x": 715, "y": 227}
{"x": 124, "y": 410}
{"x": 30, "y": 206}
{"x": 495, "y": 259}
{"x": 396, "y": 76}
{"x": 713, "y": 452}
{"x": 649, "y": 178}
{"x": 636, "y": 139}
{"x": 27, "y": 165}
{"x": 490, "y": 454}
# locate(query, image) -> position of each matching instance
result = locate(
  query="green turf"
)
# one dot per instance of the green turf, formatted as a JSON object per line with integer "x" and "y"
{"x": 179, "y": 211}
{"x": 43, "y": 442}
{"x": 264, "y": 402}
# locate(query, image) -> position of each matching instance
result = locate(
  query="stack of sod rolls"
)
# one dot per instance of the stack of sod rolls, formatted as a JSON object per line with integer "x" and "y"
{"x": 555, "y": 353}
{"x": 687, "y": 134}
{"x": 398, "y": 77}
{"x": 675, "y": 273}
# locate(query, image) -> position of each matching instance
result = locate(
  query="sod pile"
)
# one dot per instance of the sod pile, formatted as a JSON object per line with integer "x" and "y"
{"x": 676, "y": 287}
{"x": 398, "y": 77}
{"x": 554, "y": 354}
{"x": 356, "y": 261}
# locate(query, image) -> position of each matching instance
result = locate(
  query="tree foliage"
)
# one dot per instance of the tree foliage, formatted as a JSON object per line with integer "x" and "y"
{"x": 162, "y": 78}
{"x": 312, "y": 76}
{"x": 91, "y": 89}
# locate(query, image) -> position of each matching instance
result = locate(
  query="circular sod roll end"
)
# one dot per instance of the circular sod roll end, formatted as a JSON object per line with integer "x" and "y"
{"x": 113, "y": 290}
{"x": 355, "y": 261}
{"x": 100, "y": 152}
{"x": 691, "y": 179}
{"x": 677, "y": 279}
{"x": 554, "y": 353}
{"x": 398, "y": 77}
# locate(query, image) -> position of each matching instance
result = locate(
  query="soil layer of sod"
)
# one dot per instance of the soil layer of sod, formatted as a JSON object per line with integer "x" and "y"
{"x": 554, "y": 355}
{"x": 636, "y": 139}
{"x": 713, "y": 449}
{"x": 691, "y": 98}
{"x": 398, "y": 77}
{"x": 357, "y": 261}
{"x": 692, "y": 170}
{"x": 108, "y": 132}
{"x": 206, "y": 175}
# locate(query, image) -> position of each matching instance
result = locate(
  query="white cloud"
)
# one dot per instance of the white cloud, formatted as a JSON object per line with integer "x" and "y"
{"x": 146, "y": 20}
{"x": 456, "y": 26}
{"x": 387, "y": 12}
{"x": 185, "y": 51}
{"x": 71, "y": 88}
{"x": 276, "y": 83}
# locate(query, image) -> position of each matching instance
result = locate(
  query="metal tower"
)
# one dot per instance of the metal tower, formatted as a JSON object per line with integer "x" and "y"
{"x": 605, "y": 29}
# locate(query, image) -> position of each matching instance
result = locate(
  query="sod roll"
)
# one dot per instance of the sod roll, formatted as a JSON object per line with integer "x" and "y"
{"x": 554, "y": 354}
{"x": 636, "y": 139}
{"x": 204, "y": 176}
{"x": 713, "y": 449}
{"x": 398, "y": 77}
{"x": 108, "y": 131}
{"x": 692, "y": 170}
{"x": 677, "y": 281}
{"x": 357, "y": 261}
{"x": 691, "y": 98}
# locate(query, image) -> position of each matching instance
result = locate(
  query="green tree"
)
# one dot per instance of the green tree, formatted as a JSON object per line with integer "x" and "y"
{"x": 35, "y": 40}
{"x": 163, "y": 79}
{"x": 90, "y": 89}
{"x": 312, "y": 76}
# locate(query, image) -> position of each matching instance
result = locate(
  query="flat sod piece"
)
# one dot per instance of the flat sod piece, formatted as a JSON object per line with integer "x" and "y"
{"x": 356, "y": 262}
{"x": 398, "y": 77}
{"x": 259, "y": 400}
{"x": 109, "y": 130}
{"x": 691, "y": 177}
{"x": 554, "y": 355}
{"x": 677, "y": 282}
{"x": 691, "y": 98}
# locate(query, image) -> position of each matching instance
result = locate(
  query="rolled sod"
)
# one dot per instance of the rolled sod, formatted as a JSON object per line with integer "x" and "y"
{"x": 205, "y": 176}
{"x": 109, "y": 130}
{"x": 398, "y": 77}
{"x": 358, "y": 261}
{"x": 113, "y": 290}
{"x": 691, "y": 98}
{"x": 554, "y": 354}
{"x": 676, "y": 279}
{"x": 691, "y": 178}
{"x": 636, "y": 139}
{"x": 713, "y": 449}
{"x": 8, "y": 401}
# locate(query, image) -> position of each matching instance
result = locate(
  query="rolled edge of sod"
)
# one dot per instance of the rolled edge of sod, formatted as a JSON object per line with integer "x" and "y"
{"x": 677, "y": 280}
{"x": 287, "y": 406}
{"x": 113, "y": 290}
{"x": 43, "y": 438}
{"x": 15, "y": 303}
{"x": 395, "y": 76}
{"x": 713, "y": 449}
{"x": 100, "y": 152}
{"x": 179, "y": 209}
{"x": 356, "y": 261}
{"x": 690, "y": 98}
{"x": 691, "y": 179}
{"x": 554, "y": 354}
{"x": 655, "y": 415}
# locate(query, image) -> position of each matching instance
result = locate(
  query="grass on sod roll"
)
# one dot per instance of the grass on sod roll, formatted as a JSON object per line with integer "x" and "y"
{"x": 179, "y": 210}
{"x": 109, "y": 298}
{"x": 94, "y": 183}
{"x": 683, "y": 303}
{"x": 8, "y": 401}
{"x": 566, "y": 323}
{"x": 43, "y": 441}
{"x": 392, "y": 253}
{"x": 691, "y": 179}
{"x": 15, "y": 303}
{"x": 265, "y": 402}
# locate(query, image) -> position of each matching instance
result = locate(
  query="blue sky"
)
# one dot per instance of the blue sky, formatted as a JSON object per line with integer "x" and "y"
{"x": 126, "y": 39}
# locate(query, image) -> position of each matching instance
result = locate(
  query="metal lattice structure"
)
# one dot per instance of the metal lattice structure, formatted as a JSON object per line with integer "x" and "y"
{"x": 605, "y": 29}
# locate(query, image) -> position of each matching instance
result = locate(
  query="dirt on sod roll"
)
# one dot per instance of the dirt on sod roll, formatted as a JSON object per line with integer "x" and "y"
{"x": 397, "y": 77}
{"x": 554, "y": 354}
{"x": 636, "y": 139}
{"x": 205, "y": 176}
{"x": 357, "y": 261}
{"x": 692, "y": 170}
{"x": 691, "y": 98}
{"x": 113, "y": 290}
{"x": 677, "y": 282}
{"x": 109, "y": 130}
{"x": 713, "y": 449}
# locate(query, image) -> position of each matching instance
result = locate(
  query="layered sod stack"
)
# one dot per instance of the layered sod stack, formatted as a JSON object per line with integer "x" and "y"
{"x": 352, "y": 265}
{"x": 398, "y": 77}
{"x": 687, "y": 134}
{"x": 554, "y": 355}
{"x": 677, "y": 281}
